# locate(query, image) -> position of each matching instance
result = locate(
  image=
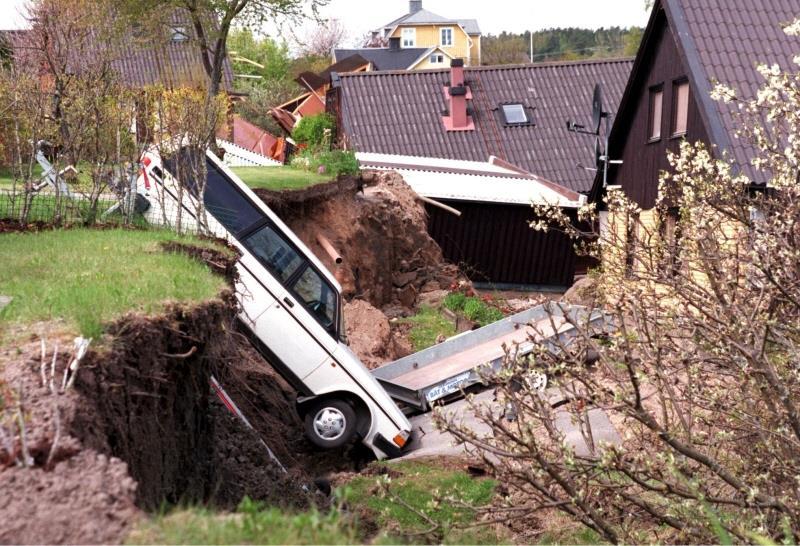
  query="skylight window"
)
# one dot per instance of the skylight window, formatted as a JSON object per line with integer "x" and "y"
{"x": 179, "y": 33}
{"x": 514, "y": 114}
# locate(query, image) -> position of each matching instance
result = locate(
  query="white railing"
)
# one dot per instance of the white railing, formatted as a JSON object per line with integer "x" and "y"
{"x": 237, "y": 156}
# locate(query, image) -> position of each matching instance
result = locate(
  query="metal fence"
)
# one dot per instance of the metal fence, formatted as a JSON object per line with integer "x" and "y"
{"x": 49, "y": 207}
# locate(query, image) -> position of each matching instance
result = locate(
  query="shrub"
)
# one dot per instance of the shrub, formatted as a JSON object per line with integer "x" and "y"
{"x": 314, "y": 131}
{"x": 332, "y": 163}
{"x": 455, "y": 301}
{"x": 473, "y": 308}
{"x": 480, "y": 312}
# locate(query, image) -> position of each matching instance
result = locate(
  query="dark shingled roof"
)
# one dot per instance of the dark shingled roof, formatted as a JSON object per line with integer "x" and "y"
{"x": 401, "y": 113}
{"x": 724, "y": 41}
{"x": 143, "y": 59}
{"x": 383, "y": 58}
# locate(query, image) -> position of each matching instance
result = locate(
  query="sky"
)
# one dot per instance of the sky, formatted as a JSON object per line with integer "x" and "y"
{"x": 494, "y": 16}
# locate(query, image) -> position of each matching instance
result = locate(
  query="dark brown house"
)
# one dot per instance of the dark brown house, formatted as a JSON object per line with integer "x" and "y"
{"x": 687, "y": 46}
{"x": 517, "y": 114}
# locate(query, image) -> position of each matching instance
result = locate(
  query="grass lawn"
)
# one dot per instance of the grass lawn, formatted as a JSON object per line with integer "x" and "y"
{"x": 88, "y": 277}
{"x": 428, "y": 324}
{"x": 251, "y": 524}
{"x": 7, "y": 178}
{"x": 418, "y": 484}
{"x": 279, "y": 178}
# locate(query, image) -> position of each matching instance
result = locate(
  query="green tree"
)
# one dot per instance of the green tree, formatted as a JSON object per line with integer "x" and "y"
{"x": 248, "y": 50}
{"x": 560, "y": 44}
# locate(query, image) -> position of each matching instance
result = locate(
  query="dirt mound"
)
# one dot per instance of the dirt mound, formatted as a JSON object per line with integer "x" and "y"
{"x": 381, "y": 234}
{"x": 86, "y": 499}
{"x": 390, "y": 263}
{"x": 368, "y": 333}
{"x": 583, "y": 292}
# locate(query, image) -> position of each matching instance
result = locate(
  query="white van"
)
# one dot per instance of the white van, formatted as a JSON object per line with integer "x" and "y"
{"x": 291, "y": 306}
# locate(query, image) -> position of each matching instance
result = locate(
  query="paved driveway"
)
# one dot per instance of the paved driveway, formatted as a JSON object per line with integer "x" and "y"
{"x": 430, "y": 442}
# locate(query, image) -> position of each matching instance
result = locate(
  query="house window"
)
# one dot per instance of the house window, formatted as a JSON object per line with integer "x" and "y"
{"x": 656, "y": 106}
{"x": 437, "y": 58}
{"x": 447, "y": 37}
{"x": 681, "y": 107}
{"x": 409, "y": 36}
{"x": 514, "y": 114}
{"x": 178, "y": 33}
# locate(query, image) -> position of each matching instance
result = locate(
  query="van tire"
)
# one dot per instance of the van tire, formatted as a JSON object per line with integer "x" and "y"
{"x": 330, "y": 423}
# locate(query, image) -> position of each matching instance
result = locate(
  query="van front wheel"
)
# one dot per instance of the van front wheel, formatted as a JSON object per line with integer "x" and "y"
{"x": 330, "y": 423}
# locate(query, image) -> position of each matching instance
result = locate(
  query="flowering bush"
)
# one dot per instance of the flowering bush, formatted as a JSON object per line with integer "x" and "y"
{"x": 701, "y": 371}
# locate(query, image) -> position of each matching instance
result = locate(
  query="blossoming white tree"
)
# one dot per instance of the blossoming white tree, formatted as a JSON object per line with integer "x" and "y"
{"x": 701, "y": 375}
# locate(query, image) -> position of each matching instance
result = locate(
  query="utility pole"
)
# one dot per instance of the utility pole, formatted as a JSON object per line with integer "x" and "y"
{"x": 531, "y": 46}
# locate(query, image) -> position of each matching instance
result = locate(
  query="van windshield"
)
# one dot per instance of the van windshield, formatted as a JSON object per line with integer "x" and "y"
{"x": 318, "y": 297}
{"x": 274, "y": 252}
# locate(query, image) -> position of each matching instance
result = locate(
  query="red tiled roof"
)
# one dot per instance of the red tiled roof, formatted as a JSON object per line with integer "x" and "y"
{"x": 400, "y": 112}
{"x": 252, "y": 137}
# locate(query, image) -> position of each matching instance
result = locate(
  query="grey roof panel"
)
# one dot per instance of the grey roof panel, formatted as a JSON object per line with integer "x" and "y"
{"x": 384, "y": 58}
{"x": 423, "y": 17}
{"x": 470, "y": 26}
{"x": 400, "y": 113}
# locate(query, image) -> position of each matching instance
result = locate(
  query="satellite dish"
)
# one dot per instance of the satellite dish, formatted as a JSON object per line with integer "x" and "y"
{"x": 597, "y": 108}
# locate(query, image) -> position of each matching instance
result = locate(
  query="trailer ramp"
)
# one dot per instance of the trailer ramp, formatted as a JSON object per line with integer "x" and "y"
{"x": 446, "y": 369}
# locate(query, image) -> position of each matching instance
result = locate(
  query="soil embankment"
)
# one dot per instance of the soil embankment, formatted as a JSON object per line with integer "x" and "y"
{"x": 389, "y": 261}
{"x": 140, "y": 428}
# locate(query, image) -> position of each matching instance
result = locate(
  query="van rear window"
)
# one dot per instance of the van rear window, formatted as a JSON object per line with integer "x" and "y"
{"x": 227, "y": 204}
{"x": 274, "y": 252}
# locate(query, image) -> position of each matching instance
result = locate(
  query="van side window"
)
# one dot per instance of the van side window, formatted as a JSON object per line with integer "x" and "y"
{"x": 318, "y": 296}
{"x": 228, "y": 205}
{"x": 274, "y": 252}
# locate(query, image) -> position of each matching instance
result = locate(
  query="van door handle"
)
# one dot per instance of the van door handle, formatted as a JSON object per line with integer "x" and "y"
{"x": 288, "y": 302}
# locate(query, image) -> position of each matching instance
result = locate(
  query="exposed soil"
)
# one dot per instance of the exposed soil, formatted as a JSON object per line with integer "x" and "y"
{"x": 583, "y": 292}
{"x": 389, "y": 261}
{"x": 11, "y": 226}
{"x": 141, "y": 428}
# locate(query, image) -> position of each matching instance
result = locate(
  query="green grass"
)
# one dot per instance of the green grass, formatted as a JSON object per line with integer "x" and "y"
{"x": 7, "y": 176}
{"x": 279, "y": 178}
{"x": 89, "y": 277}
{"x": 473, "y": 308}
{"x": 420, "y": 485}
{"x": 427, "y": 325}
{"x": 250, "y": 524}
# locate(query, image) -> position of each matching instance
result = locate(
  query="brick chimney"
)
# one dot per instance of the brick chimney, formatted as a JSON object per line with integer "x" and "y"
{"x": 414, "y": 6}
{"x": 456, "y": 95}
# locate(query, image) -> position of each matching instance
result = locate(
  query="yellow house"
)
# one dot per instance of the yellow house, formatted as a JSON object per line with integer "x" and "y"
{"x": 441, "y": 38}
